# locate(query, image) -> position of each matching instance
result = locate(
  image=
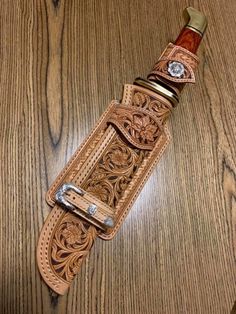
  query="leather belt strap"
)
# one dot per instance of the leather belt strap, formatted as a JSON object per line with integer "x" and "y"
{"x": 175, "y": 54}
{"x": 85, "y": 205}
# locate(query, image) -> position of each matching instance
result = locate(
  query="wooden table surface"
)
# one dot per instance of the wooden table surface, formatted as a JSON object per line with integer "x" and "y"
{"x": 61, "y": 62}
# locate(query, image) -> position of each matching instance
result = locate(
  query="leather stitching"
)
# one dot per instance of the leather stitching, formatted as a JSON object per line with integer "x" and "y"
{"x": 66, "y": 169}
{"x": 121, "y": 219}
{"x": 180, "y": 54}
{"x": 58, "y": 283}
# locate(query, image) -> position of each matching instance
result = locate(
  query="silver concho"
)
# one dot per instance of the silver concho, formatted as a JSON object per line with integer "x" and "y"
{"x": 109, "y": 222}
{"x": 176, "y": 69}
{"x": 92, "y": 209}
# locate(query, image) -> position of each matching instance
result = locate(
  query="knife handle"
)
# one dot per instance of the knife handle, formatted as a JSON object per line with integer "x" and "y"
{"x": 178, "y": 62}
{"x": 189, "y": 39}
{"x": 191, "y": 35}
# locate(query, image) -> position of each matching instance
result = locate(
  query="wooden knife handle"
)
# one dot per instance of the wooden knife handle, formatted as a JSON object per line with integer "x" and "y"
{"x": 184, "y": 49}
{"x": 191, "y": 35}
{"x": 189, "y": 40}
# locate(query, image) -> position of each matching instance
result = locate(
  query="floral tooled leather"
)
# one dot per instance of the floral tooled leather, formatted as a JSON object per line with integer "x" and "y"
{"x": 64, "y": 242}
{"x": 140, "y": 126}
{"x": 71, "y": 242}
{"x": 114, "y": 172}
{"x": 160, "y": 108}
{"x": 100, "y": 176}
{"x": 175, "y": 53}
{"x": 110, "y": 168}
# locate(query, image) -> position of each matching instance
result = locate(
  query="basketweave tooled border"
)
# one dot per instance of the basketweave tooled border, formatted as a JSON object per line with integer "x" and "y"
{"x": 90, "y": 142}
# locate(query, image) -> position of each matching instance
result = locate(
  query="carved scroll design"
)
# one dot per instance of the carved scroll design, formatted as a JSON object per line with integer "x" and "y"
{"x": 138, "y": 125}
{"x": 114, "y": 171}
{"x": 116, "y": 168}
{"x": 160, "y": 108}
{"x": 71, "y": 243}
{"x": 67, "y": 239}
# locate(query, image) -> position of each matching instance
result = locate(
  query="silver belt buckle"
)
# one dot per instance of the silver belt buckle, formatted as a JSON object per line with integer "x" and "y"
{"x": 92, "y": 208}
{"x": 60, "y": 194}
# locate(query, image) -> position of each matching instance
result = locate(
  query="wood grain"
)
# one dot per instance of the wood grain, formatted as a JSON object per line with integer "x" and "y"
{"x": 61, "y": 62}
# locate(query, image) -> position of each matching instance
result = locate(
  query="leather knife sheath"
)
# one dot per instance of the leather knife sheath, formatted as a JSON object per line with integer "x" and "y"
{"x": 92, "y": 195}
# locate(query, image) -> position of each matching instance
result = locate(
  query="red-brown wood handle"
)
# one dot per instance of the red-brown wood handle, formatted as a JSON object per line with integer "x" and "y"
{"x": 191, "y": 35}
{"x": 189, "y": 40}
{"x": 169, "y": 76}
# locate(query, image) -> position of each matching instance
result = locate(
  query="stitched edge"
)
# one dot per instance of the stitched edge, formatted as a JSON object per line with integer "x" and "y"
{"x": 168, "y": 54}
{"x": 186, "y": 51}
{"x": 123, "y": 130}
{"x": 129, "y": 205}
{"x": 99, "y": 211}
{"x": 50, "y": 227}
{"x": 108, "y": 209}
{"x": 127, "y": 98}
{"x": 107, "y": 138}
{"x": 70, "y": 163}
{"x": 43, "y": 249}
{"x": 192, "y": 78}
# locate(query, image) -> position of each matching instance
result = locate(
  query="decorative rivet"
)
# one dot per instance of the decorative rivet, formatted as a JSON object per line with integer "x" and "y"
{"x": 92, "y": 209}
{"x": 176, "y": 69}
{"x": 109, "y": 222}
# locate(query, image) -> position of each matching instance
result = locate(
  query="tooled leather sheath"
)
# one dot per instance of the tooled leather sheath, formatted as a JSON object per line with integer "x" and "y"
{"x": 111, "y": 165}
{"x": 92, "y": 195}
